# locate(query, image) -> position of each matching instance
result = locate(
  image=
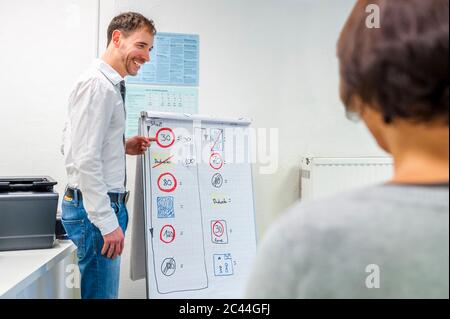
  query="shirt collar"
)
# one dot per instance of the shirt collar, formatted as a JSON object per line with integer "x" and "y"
{"x": 108, "y": 71}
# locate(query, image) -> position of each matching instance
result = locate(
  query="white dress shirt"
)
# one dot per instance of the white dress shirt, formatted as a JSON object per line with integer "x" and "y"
{"x": 93, "y": 142}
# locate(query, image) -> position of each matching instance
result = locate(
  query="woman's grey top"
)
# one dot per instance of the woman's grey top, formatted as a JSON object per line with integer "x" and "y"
{"x": 384, "y": 241}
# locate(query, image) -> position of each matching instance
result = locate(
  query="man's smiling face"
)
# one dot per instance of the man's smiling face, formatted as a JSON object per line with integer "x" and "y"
{"x": 134, "y": 50}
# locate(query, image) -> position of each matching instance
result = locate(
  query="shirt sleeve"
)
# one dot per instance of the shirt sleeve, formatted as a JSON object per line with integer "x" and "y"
{"x": 91, "y": 110}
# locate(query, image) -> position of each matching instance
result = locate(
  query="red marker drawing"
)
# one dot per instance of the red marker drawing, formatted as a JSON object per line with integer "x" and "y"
{"x": 217, "y": 139}
{"x": 167, "y": 182}
{"x": 167, "y": 234}
{"x": 215, "y": 161}
{"x": 167, "y": 139}
{"x": 218, "y": 228}
{"x": 163, "y": 162}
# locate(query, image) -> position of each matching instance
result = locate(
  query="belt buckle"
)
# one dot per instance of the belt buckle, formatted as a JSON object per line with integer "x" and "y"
{"x": 68, "y": 195}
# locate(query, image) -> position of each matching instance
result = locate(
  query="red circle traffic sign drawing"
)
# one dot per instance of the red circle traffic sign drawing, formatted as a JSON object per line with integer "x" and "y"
{"x": 167, "y": 182}
{"x": 215, "y": 161}
{"x": 166, "y": 139}
{"x": 218, "y": 231}
{"x": 167, "y": 234}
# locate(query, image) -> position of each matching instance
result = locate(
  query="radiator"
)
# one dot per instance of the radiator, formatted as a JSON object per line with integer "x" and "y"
{"x": 326, "y": 176}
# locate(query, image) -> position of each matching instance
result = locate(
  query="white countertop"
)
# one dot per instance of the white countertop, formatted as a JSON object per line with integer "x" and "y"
{"x": 19, "y": 268}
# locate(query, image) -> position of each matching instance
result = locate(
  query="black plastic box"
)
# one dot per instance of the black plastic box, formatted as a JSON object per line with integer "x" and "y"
{"x": 28, "y": 208}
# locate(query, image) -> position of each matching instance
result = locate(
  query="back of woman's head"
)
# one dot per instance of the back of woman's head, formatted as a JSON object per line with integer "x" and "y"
{"x": 400, "y": 68}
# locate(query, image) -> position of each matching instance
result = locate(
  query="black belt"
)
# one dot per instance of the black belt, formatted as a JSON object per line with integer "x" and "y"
{"x": 116, "y": 198}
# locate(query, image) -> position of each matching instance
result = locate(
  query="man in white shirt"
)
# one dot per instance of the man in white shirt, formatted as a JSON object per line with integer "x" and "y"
{"x": 93, "y": 211}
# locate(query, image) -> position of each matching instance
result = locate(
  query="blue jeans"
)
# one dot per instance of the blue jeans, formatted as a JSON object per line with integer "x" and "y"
{"x": 99, "y": 274}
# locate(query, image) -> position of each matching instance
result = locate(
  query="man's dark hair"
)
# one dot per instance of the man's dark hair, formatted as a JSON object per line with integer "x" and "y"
{"x": 401, "y": 68}
{"x": 128, "y": 22}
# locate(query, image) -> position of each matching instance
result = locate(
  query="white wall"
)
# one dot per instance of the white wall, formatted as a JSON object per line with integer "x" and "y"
{"x": 44, "y": 47}
{"x": 273, "y": 61}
